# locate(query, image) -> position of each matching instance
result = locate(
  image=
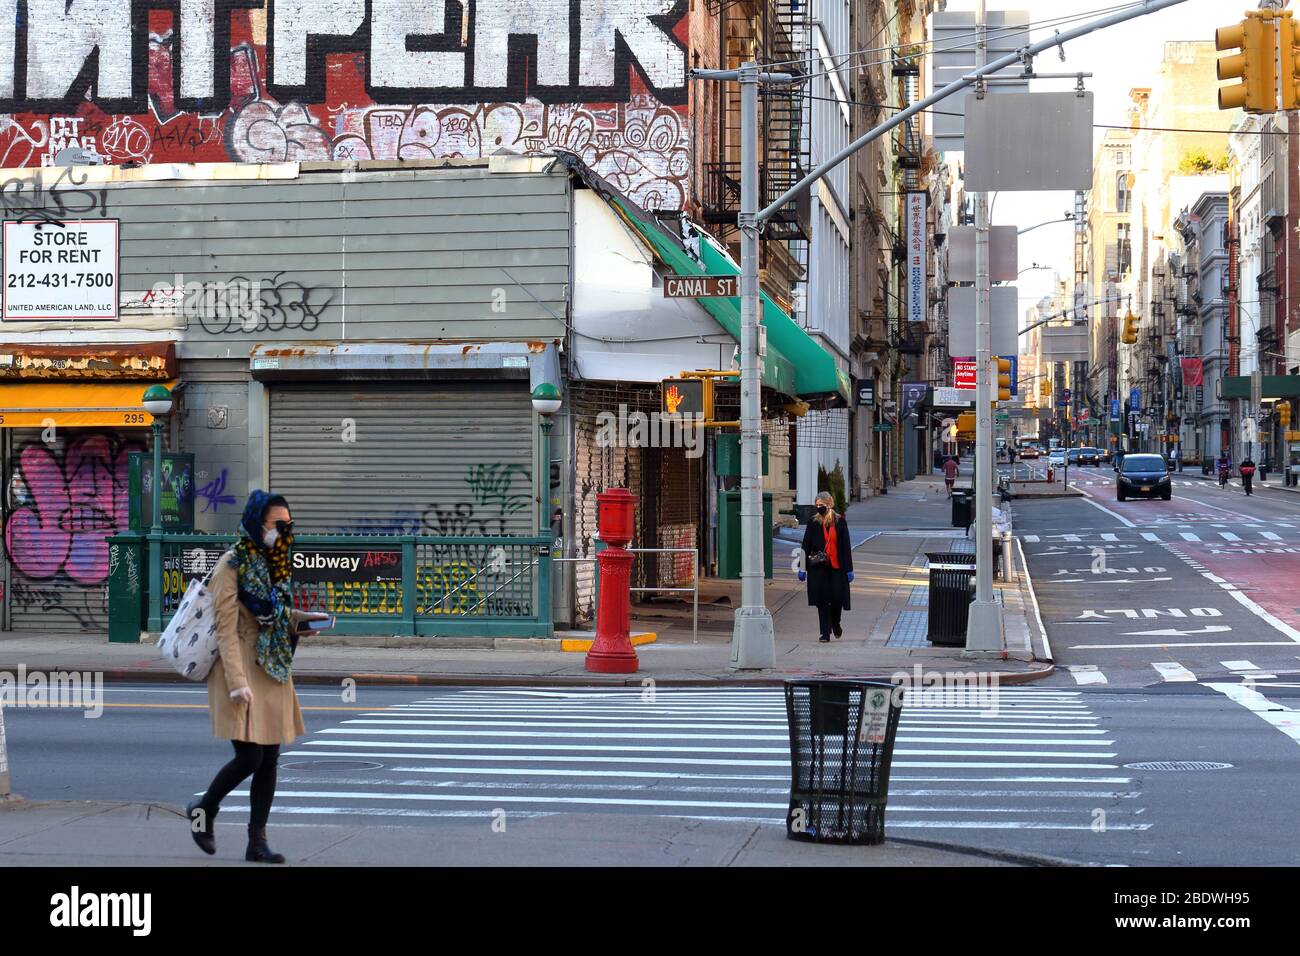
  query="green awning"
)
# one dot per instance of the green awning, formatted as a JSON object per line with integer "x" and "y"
{"x": 795, "y": 364}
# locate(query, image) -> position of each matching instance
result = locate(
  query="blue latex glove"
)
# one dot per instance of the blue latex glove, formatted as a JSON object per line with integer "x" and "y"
{"x": 803, "y": 575}
{"x": 850, "y": 577}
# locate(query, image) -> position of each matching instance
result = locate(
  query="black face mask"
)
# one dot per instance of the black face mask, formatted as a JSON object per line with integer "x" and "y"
{"x": 821, "y": 509}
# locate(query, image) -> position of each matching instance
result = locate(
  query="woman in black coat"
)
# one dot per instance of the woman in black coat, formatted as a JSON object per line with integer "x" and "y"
{"x": 828, "y": 580}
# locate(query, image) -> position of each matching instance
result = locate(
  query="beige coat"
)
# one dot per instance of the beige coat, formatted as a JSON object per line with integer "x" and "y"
{"x": 274, "y": 716}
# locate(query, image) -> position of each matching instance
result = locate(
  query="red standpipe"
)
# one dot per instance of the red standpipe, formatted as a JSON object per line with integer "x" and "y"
{"x": 612, "y": 652}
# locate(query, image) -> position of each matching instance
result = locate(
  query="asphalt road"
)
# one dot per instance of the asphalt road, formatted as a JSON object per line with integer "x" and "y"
{"x": 1201, "y": 588}
{"x": 1044, "y": 772}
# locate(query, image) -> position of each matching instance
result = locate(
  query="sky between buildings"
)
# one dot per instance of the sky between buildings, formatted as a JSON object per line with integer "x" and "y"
{"x": 1121, "y": 58}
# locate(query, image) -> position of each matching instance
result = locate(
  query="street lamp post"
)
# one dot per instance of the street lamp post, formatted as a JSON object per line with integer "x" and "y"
{"x": 546, "y": 402}
{"x": 157, "y": 402}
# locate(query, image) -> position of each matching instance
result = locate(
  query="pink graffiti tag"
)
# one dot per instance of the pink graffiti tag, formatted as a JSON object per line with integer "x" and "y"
{"x": 74, "y": 507}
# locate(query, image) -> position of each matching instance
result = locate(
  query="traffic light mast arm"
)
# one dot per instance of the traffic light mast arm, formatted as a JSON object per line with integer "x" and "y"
{"x": 902, "y": 116}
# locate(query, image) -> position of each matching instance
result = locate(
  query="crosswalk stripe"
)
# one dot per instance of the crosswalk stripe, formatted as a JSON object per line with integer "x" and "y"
{"x": 1173, "y": 672}
{"x": 1188, "y": 536}
{"x": 1086, "y": 674}
{"x": 1239, "y": 665}
{"x": 1270, "y": 536}
{"x": 1007, "y": 759}
{"x": 1228, "y": 536}
{"x": 1032, "y": 539}
{"x": 1150, "y": 536}
{"x": 1109, "y": 537}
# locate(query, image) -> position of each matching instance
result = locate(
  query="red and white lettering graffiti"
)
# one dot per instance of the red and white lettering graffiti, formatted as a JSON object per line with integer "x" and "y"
{"x": 68, "y": 508}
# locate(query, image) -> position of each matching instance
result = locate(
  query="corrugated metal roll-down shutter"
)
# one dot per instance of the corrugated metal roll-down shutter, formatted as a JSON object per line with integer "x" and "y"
{"x": 63, "y": 499}
{"x": 405, "y": 459}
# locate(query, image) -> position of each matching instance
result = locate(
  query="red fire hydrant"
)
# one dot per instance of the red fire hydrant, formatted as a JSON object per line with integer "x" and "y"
{"x": 612, "y": 652}
{"x": 1051, "y": 475}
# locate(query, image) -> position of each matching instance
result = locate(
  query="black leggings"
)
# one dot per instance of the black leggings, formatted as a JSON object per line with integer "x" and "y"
{"x": 257, "y": 759}
{"x": 828, "y": 616}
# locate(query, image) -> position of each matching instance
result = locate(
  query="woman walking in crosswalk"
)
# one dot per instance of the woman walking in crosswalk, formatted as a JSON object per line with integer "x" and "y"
{"x": 828, "y": 565}
{"x": 250, "y": 696}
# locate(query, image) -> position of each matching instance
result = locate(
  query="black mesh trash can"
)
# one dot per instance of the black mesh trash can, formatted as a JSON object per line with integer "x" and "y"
{"x": 963, "y": 512}
{"x": 952, "y": 588}
{"x": 841, "y": 745}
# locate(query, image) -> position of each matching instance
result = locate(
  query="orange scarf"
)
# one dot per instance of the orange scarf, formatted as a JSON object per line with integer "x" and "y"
{"x": 832, "y": 544}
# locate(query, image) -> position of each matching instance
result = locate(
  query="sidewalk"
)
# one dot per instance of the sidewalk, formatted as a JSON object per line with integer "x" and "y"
{"x": 78, "y": 834}
{"x": 884, "y": 632}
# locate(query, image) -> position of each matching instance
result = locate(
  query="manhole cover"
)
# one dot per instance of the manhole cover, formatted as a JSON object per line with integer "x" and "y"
{"x": 332, "y": 765}
{"x": 1178, "y": 765}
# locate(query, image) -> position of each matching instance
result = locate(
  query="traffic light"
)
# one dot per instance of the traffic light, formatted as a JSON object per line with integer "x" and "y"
{"x": 966, "y": 424}
{"x": 1045, "y": 388}
{"x": 1002, "y": 378}
{"x": 1284, "y": 413}
{"x": 1288, "y": 59}
{"x": 1130, "y": 335}
{"x": 1255, "y": 65}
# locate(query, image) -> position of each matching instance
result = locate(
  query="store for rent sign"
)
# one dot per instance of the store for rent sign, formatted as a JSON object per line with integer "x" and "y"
{"x": 60, "y": 270}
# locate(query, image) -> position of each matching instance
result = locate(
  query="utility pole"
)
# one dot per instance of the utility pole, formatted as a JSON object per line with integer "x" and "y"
{"x": 753, "y": 643}
{"x": 984, "y": 625}
{"x": 753, "y": 639}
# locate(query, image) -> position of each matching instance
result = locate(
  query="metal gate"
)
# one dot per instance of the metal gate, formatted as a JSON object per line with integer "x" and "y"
{"x": 63, "y": 499}
{"x": 438, "y": 459}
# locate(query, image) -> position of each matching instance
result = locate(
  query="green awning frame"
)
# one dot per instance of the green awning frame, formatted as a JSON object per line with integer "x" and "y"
{"x": 795, "y": 364}
{"x": 1271, "y": 386}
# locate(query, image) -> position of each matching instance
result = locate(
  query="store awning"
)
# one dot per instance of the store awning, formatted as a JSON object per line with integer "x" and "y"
{"x": 32, "y": 404}
{"x": 794, "y": 364}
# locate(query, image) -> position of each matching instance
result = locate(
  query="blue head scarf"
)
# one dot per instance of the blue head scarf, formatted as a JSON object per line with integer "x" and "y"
{"x": 264, "y": 586}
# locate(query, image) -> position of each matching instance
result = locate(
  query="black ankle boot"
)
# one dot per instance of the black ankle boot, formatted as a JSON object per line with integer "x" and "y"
{"x": 204, "y": 835}
{"x": 258, "y": 851}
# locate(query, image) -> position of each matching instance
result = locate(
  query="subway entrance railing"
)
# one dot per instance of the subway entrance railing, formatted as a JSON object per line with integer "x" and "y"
{"x": 424, "y": 585}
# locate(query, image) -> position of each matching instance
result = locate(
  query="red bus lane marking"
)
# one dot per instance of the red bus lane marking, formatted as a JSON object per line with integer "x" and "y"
{"x": 1268, "y": 578}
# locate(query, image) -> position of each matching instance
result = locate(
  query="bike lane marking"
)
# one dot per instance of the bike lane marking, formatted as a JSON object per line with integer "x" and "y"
{"x": 1282, "y": 718}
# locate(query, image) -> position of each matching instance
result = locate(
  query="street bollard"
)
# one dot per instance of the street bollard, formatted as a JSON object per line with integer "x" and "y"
{"x": 1006, "y": 556}
{"x": 4, "y": 757}
{"x": 611, "y": 652}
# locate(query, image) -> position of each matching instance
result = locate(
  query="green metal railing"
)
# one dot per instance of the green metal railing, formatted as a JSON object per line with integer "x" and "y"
{"x": 479, "y": 586}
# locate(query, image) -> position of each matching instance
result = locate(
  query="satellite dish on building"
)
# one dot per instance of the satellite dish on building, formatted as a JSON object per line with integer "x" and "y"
{"x": 78, "y": 156}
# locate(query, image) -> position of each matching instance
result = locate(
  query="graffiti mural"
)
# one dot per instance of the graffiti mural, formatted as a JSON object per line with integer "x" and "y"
{"x": 67, "y": 506}
{"x": 140, "y": 81}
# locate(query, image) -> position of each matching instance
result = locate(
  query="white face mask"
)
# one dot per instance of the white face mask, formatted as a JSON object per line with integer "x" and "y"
{"x": 270, "y": 537}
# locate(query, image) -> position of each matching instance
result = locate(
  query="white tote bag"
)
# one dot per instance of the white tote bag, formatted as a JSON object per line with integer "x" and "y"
{"x": 189, "y": 643}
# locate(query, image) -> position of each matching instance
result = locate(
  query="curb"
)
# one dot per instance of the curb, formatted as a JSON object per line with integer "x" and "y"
{"x": 124, "y": 675}
{"x": 1004, "y": 856}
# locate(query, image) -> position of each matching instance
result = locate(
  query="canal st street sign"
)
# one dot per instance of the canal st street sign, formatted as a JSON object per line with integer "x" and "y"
{"x": 701, "y": 287}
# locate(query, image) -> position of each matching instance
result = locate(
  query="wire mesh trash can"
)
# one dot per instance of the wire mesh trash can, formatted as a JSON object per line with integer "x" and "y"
{"x": 963, "y": 512}
{"x": 841, "y": 745}
{"x": 952, "y": 588}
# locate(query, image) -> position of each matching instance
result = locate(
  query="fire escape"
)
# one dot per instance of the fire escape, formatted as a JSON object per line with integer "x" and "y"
{"x": 773, "y": 33}
{"x": 909, "y": 148}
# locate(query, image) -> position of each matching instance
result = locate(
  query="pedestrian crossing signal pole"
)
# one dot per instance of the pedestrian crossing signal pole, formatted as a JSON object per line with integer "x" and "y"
{"x": 984, "y": 631}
